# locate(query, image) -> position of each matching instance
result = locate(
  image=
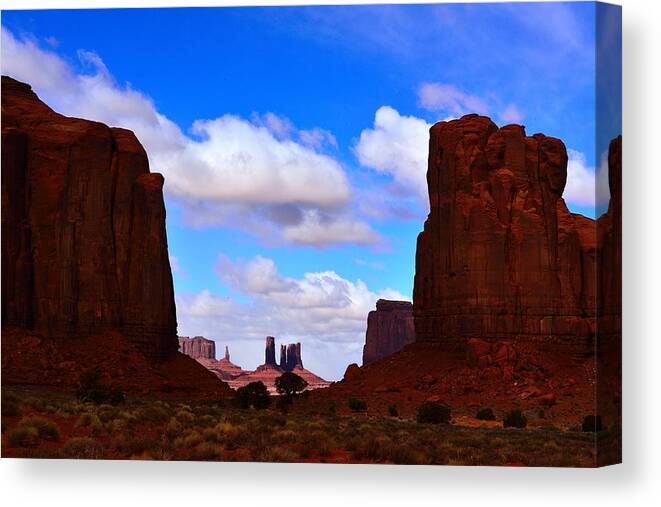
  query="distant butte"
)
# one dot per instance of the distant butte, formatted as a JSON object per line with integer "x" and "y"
{"x": 290, "y": 360}
{"x": 389, "y": 328}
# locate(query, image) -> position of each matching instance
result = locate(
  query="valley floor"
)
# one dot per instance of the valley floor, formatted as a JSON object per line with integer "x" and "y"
{"x": 44, "y": 424}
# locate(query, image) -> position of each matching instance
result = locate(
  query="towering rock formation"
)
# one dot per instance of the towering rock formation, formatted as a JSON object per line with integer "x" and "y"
{"x": 517, "y": 301}
{"x": 389, "y": 328}
{"x": 84, "y": 247}
{"x": 283, "y": 355}
{"x": 227, "y": 353}
{"x": 500, "y": 255}
{"x": 609, "y": 242}
{"x": 269, "y": 353}
{"x": 198, "y": 347}
{"x": 86, "y": 280}
{"x": 292, "y": 357}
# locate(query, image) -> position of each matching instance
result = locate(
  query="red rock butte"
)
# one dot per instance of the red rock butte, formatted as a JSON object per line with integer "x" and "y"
{"x": 389, "y": 329}
{"x": 84, "y": 246}
{"x": 517, "y": 301}
{"x": 501, "y": 256}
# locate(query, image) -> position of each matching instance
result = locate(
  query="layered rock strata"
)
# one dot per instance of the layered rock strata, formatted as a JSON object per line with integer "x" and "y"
{"x": 197, "y": 347}
{"x": 500, "y": 255}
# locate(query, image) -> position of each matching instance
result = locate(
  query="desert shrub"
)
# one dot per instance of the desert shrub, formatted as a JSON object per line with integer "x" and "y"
{"x": 356, "y": 405}
{"x": 136, "y": 445}
{"x": 173, "y": 428}
{"x": 407, "y": 455}
{"x": 34, "y": 403}
{"x": 107, "y": 412}
{"x": 285, "y": 436}
{"x": 189, "y": 440}
{"x": 205, "y": 450}
{"x": 10, "y": 404}
{"x": 515, "y": 419}
{"x": 485, "y": 414}
{"x": 82, "y": 448}
{"x": 209, "y": 435}
{"x": 392, "y": 411}
{"x": 23, "y": 437}
{"x": 591, "y": 423}
{"x": 153, "y": 413}
{"x": 206, "y": 421}
{"x": 185, "y": 416}
{"x": 433, "y": 412}
{"x": 117, "y": 425}
{"x": 47, "y": 430}
{"x": 277, "y": 420}
{"x": 91, "y": 421}
{"x": 91, "y": 389}
{"x": 253, "y": 395}
{"x": 277, "y": 454}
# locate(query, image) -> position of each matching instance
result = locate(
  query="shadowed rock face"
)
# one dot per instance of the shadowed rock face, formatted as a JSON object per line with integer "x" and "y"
{"x": 84, "y": 246}
{"x": 500, "y": 255}
{"x": 269, "y": 351}
{"x": 292, "y": 357}
{"x": 389, "y": 328}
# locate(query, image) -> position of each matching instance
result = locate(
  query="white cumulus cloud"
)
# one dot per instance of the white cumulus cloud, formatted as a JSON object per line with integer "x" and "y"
{"x": 397, "y": 145}
{"x": 585, "y": 187}
{"x": 251, "y": 166}
{"x": 449, "y": 99}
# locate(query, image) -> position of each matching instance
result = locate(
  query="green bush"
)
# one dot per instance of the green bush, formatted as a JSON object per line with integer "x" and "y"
{"x": 485, "y": 414}
{"x": 253, "y": 395}
{"x": 356, "y": 405}
{"x": 433, "y": 412}
{"x": 515, "y": 419}
{"x": 91, "y": 389}
{"x": 591, "y": 423}
{"x": 82, "y": 448}
{"x": 392, "y": 411}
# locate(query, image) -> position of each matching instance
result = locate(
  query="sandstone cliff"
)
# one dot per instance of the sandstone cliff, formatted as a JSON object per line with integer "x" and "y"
{"x": 389, "y": 328}
{"x": 500, "y": 255}
{"x": 84, "y": 247}
{"x": 517, "y": 301}
{"x": 86, "y": 280}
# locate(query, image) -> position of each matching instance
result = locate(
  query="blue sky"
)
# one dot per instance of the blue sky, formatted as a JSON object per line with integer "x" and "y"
{"x": 293, "y": 141}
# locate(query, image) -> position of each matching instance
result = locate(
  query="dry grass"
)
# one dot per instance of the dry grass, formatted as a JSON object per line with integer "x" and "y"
{"x": 51, "y": 426}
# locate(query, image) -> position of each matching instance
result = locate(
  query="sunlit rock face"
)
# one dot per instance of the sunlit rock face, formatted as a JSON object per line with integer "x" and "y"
{"x": 500, "y": 255}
